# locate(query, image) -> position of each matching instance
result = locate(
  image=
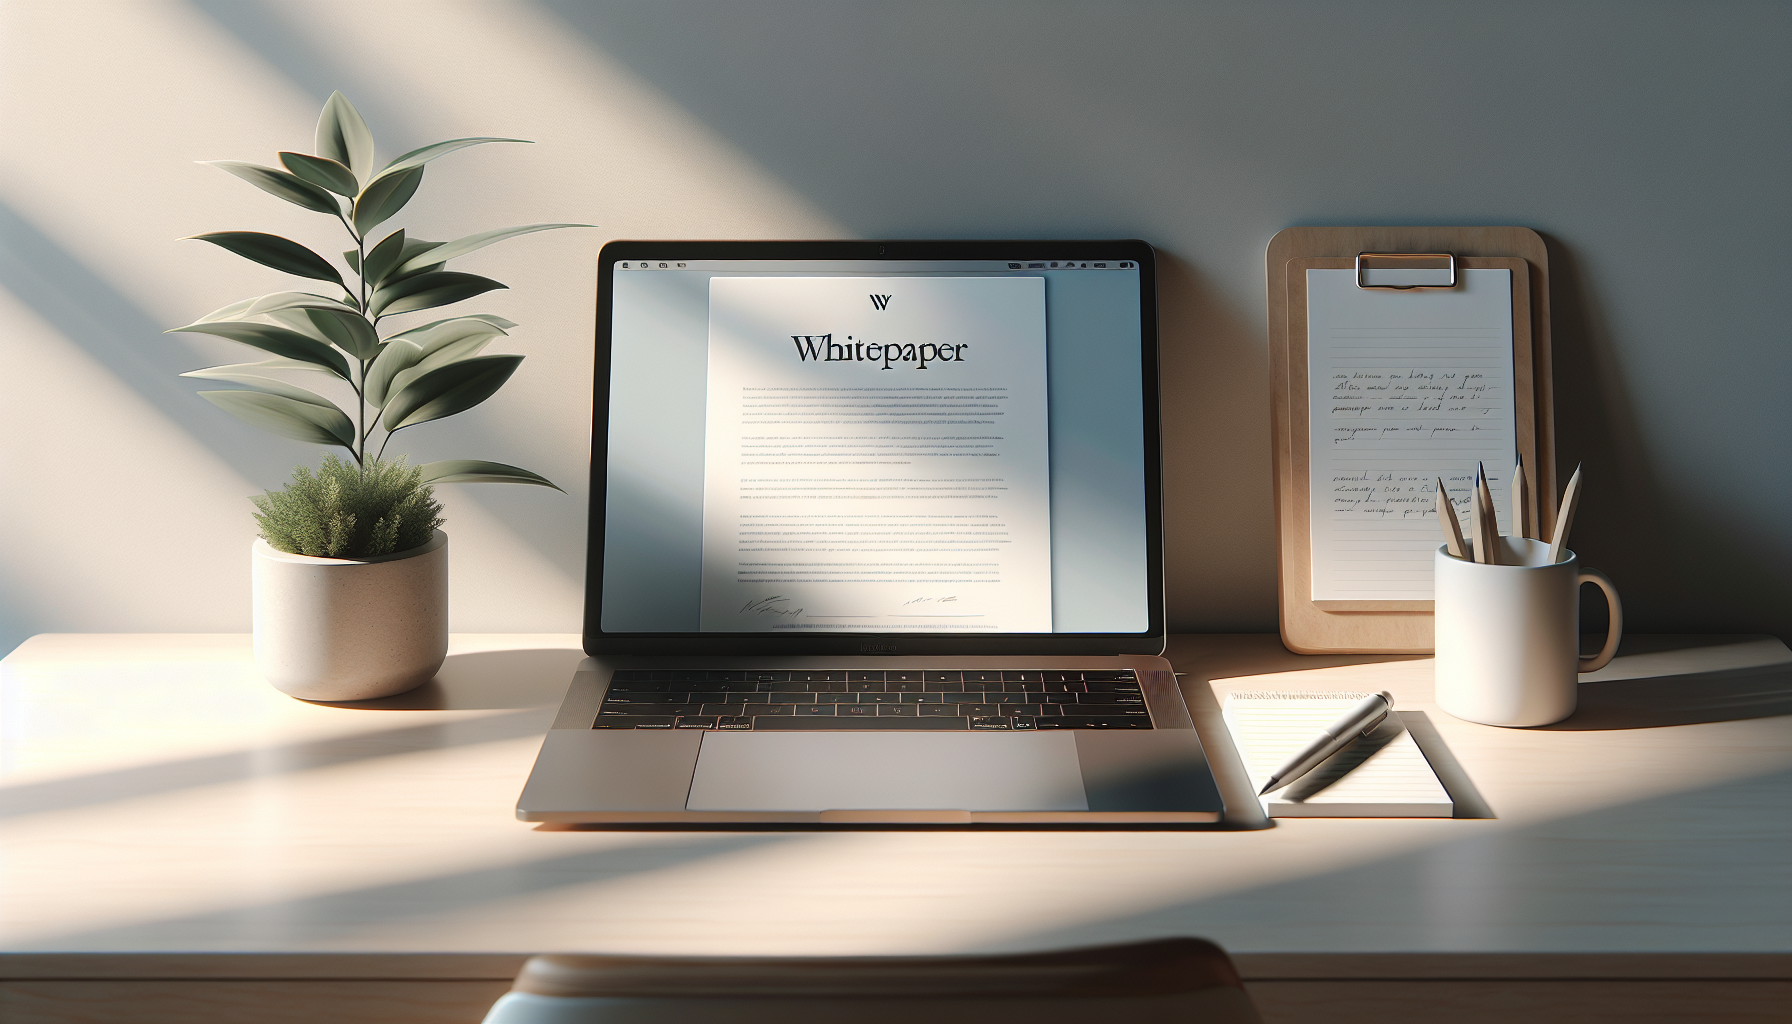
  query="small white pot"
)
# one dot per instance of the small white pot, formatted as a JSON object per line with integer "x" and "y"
{"x": 334, "y": 629}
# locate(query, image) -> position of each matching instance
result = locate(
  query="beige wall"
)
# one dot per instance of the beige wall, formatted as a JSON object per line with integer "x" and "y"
{"x": 1651, "y": 143}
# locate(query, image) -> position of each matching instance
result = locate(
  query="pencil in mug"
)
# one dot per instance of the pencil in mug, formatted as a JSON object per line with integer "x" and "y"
{"x": 1446, "y": 518}
{"x": 1521, "y": 502}
{"x": 1491, "y": 518}
{"x": 1565, "y": 518}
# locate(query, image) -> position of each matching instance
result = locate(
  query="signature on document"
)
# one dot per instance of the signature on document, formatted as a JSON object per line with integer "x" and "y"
{"x": 770, "y": 606}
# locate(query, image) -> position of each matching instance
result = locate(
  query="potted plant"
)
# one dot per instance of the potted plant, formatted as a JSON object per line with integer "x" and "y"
{"x": 351, "y": 570}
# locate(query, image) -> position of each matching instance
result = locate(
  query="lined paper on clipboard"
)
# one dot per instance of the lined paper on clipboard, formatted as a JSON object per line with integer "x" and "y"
{"x": 1404, "y": 387}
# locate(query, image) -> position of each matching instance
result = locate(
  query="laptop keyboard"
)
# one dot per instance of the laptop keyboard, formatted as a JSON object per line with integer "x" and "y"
{"x": 980, "y": 700}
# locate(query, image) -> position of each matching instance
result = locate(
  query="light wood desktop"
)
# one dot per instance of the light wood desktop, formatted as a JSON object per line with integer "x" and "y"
{"x": 182, "y": 842}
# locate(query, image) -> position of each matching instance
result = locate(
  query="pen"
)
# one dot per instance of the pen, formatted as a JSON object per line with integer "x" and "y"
{"x": 1357, "y": 722}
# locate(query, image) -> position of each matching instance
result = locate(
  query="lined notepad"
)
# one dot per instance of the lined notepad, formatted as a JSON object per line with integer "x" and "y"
{"x": 1382, "y": 776}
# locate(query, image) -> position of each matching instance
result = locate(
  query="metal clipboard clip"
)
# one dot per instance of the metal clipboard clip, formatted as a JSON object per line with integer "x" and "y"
{"x": 1405, "y": 271}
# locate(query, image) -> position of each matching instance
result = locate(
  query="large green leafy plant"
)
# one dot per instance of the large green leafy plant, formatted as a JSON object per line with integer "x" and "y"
{"x": 399, "y": 378}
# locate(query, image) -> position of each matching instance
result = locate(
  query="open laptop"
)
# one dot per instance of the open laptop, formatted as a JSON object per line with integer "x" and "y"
{"x": 875, "y": 536}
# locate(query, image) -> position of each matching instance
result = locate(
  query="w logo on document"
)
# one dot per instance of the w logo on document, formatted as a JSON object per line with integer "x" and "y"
{"x": 881, "y": 301}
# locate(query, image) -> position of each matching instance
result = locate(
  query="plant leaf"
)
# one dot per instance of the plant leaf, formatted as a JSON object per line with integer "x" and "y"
{"x": 470, "y": 471}
{"x": 276, "y": 301}
{"x": 273, "y": 251}
{"x": 320, "y": 171}
{"x": 385, "y": 196}
{"x": 445, "y": 332}
{"x": 419, "y": 157}
{"x": 426, "y": 291}
{"x": 289, "y": 187}
{"x": 260, "y": 367}
{"x": 450, "y": 389}
{"x": 489, "y": 318}
{"x": 353, "y": 259}
{"x": 281, "y": 341}
{"x": 287, "y": 417}
{"x": 452, "y": 351}
{"x": 342, "y": 136}
{"x": 461, "y": 246}
{"x": 384, "y": 256}
{"x": 234, "y": 375}
{"x": 395, "y": 357}
{"x": 347, "y": 330}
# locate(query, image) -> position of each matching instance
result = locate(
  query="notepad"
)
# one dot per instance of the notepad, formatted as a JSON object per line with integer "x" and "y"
{"x": 1384, "y": 775}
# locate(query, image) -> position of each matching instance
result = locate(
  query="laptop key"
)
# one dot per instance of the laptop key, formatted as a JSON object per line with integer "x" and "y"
{"x": 815, "y": 710}
{"x": 991, "y": 723}
{"x": 734, "y": 722}
{"x": 1096, "y": 722}
{"x": 990, "y": 677}
{"x": 1021, "y": 723}
{"x": 786, "y": 697}
{"x": 905, "y": 676}
{"x": 633, "y": 722}
{"x": 944, "y": 677}
{"x": 865, "y": 677}
{"x": 977, "y": 710}
{"x": 1125, "y": 674}
{"x": 776, "y": 724}
{"x": 855, "y": 710}
{"x": 756, "y": 710}
{"x": 866, "y": 686}
{"x": 696, "y": 721}
{"x": 880, "y": 698}
{"x": 938, "y": 710}
{"x": 897, "y": 711}
{"x": 724, "y": 710}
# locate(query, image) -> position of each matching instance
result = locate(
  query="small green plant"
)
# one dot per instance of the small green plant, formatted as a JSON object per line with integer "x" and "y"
{"x": 399, "y": 378}
{"x": 348, "y": 511}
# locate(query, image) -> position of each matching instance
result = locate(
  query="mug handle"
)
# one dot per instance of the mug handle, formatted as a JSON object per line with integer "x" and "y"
{"x": 1593, "y": 663}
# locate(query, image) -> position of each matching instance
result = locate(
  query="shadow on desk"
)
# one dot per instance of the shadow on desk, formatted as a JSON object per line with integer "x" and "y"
{"x": 485, "y": 680}
{"x": 1656, "y": 684}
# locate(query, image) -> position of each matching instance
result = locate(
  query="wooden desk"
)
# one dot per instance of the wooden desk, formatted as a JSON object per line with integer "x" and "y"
{"x": 181, "y": 842}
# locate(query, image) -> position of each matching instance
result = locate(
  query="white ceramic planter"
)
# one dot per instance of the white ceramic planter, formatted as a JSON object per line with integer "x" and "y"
{"x": 351, "y": 628}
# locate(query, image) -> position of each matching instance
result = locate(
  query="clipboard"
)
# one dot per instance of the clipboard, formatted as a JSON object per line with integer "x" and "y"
{"x": 1312, "y": 626}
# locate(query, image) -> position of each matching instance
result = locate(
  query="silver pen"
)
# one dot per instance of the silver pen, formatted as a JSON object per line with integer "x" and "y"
{"x": 1368, "y": 714}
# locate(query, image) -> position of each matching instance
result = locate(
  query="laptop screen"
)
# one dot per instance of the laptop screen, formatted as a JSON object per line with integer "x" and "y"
{"x": 797, "y": 442}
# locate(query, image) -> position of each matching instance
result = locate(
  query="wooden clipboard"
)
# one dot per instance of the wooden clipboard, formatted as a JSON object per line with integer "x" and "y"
{"x": 1376, "y": 627}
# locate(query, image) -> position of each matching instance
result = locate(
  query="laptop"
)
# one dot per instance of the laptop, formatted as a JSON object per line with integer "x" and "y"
{"x": 875, "y": 538}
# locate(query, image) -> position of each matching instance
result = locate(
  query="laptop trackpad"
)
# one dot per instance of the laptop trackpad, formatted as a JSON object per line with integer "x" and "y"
{"x": 837, "y": 771}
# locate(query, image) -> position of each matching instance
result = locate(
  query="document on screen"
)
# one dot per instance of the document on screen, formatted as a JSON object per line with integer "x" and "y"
{"x": 1405, "y": 387}
{"x": 876, "y": 455}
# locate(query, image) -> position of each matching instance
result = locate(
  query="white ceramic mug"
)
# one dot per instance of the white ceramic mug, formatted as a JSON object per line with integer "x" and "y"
{"x": 1508, "y": 636}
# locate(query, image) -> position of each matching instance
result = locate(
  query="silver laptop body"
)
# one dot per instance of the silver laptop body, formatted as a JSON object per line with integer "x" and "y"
{"x": 875, "y": 537}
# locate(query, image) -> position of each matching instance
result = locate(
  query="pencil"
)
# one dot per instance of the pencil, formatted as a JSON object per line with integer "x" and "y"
{"x": 1446, "y": 518}
{"x": 1477, "y": 520}
{"x": 1521, "y": 502}
{"x": 1492, "y": 519}
{"x": 1565, "y": 518}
